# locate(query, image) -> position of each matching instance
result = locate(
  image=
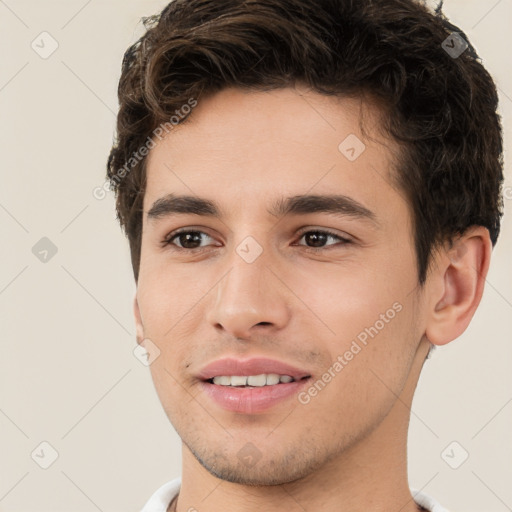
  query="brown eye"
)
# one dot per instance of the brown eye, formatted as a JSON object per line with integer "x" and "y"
{"x": 186, "y": 239}
{"x": 317, "y": 239}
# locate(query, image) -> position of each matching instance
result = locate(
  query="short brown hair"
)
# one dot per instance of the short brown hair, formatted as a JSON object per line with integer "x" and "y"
{"x": 440, "y": 107}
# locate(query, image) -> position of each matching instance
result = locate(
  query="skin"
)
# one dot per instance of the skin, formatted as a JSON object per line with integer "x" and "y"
{"x": 346, "y": 448}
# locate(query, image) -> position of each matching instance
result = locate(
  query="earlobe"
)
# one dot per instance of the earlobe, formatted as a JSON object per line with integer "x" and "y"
{"x": 138, "y": 321}
{"x": 460, "y": 272}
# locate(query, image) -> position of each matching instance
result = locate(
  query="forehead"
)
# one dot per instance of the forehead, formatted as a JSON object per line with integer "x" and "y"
{"x": 242, "y": 148}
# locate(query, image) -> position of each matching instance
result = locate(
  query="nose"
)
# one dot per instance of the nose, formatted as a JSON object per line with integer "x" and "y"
{"x": 249, "y": 298}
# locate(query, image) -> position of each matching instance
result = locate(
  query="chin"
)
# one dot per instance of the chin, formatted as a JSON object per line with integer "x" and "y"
{"x": 282, "y": 468}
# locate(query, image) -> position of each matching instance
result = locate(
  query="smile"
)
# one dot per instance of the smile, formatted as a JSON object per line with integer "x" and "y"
{"x": 256, "y": 381}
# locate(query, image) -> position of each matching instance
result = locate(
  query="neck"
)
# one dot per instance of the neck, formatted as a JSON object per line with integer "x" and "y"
{"x": 370, "y": 476}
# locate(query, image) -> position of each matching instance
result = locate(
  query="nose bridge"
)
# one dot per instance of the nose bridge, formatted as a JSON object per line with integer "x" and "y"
{"x": 248, "y": 279}
{"x": 249, "y": 293}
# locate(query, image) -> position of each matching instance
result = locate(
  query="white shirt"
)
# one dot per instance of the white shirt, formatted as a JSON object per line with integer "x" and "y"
{"x": 164, "y": 494}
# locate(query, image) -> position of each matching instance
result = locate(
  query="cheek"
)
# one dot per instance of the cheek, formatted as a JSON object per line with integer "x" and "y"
{"x": 167, "y": 293}
{"x": 366, "y": 319}
{"x": 344, "y": 300}
{"x": 370, "y": 361}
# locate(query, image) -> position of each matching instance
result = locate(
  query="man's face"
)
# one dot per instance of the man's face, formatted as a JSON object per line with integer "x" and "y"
{"x": 254, "y": 284}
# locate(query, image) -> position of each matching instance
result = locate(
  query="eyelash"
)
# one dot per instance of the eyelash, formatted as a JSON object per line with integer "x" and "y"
{"x": 168, "y": 240}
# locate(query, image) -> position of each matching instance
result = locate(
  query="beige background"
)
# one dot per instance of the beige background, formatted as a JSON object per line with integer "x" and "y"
{"x": 68, "y": 375}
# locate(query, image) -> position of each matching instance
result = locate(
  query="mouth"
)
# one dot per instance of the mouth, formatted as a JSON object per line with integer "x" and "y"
{"x": 253, "y": 381}
{"x": 251, "y": 386}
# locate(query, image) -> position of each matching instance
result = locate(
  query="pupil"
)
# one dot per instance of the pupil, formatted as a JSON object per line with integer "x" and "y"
{"x": 189, "y": 238}
{"x": 318, "y": 239}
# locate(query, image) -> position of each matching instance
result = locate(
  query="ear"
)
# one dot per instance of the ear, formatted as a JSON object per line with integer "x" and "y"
{"x": 138, "y": 321}
{"x": 458, "y": 279}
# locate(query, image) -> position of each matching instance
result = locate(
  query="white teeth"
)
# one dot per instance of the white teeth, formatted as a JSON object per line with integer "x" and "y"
{"x": 238, "y": 380}
{"x": 223, "y": 381}
{"x": 272, "y": 378}
{"x": 258, "y": 381}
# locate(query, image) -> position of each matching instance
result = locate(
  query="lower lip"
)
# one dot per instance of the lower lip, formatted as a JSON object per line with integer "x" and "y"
{"x": 252, "y": 400}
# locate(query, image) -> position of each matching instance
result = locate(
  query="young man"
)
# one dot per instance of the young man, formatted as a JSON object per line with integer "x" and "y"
{"x": 311, "y": 192}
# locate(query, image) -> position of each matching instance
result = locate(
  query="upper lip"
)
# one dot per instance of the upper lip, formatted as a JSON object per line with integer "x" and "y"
{"x": 253, "y": 366}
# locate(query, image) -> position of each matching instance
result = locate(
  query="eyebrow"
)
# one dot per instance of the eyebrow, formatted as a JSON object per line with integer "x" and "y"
{"x": 339, "y": 205}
